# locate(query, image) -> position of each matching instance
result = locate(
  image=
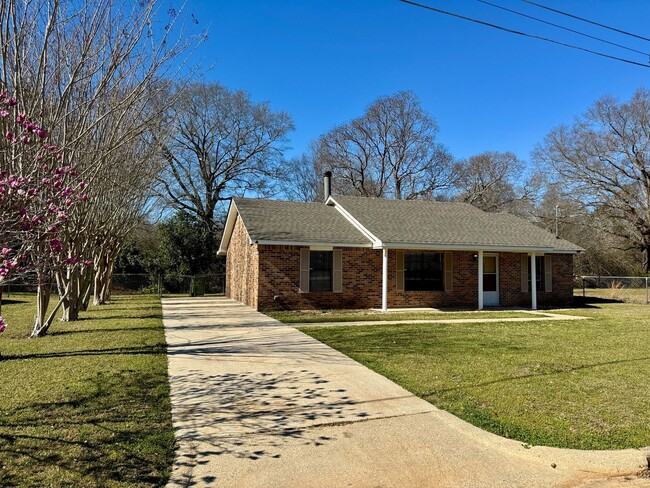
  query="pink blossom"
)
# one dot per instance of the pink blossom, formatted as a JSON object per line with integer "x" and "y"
{"x": 87, "y": 262}
{"x": 54, "y": 229}
{"x": 5, "y": 251}
{"x": 53, "y": 208}
{"x": 37, "y": 219}
{"x": 69, "y": 201}
{"x": 12, "y": 102}
{"x": 55, "y": 244}
{"x": 62, "y": 215}
{"x": 42, "y": 133}
{"x": 4, "y": 113}
{"x": 3, "y": 324}
{"x": 26, "y": 140}
{"x": 10, "y": 136}
{"x": 71, "y": 261}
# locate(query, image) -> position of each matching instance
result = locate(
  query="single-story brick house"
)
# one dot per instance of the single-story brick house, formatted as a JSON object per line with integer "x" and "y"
{"x": 356, "y": 252}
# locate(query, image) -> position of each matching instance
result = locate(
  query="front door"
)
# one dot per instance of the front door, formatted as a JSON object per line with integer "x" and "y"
{"x": 490, "y": 280}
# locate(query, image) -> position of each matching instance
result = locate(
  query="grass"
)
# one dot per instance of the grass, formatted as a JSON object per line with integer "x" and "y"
{"x": 315, "y": 316}
{"x": 579, "y": 384}
{"x": 87, "y": 405}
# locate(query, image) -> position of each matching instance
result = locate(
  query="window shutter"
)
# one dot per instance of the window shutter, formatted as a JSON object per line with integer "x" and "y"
{"x": 337, "y": 271}
{"x": 449, "y": 272}
{"x": 548, "y": 272}
{"x": 399, "y": 278}
{"x": 524, "y": 273}
{"x": 304, "y": 270}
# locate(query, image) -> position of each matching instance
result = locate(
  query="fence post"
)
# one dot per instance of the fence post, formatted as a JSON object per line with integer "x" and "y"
{"x": 646, "y": 290}
{"x": 583, "y": 287}
{"x": 159, "y": 285}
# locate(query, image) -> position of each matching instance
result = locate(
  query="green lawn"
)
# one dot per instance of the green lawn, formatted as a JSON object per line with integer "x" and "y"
{"x": 315, "y": 316}
{"x": 578, "y": 384}
{"x": 88, "y": 405}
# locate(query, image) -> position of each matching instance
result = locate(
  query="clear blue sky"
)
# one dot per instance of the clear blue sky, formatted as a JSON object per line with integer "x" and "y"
{"x": 324, "y": 61}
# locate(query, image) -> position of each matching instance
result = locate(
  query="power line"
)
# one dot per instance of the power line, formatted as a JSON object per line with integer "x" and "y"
{"x": 505, "y": 29}
{"x": 561, "y": 27}
{"x": 586, "y": 20}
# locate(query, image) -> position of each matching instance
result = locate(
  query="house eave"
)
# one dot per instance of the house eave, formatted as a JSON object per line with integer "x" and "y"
{"x": 228, "y": 229}
{"x": 266, "y": 242}
{"x": 470, "y": 247}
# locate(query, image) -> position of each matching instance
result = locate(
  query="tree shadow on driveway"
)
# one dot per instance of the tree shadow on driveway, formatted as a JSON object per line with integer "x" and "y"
{"x": 251, "y": 415}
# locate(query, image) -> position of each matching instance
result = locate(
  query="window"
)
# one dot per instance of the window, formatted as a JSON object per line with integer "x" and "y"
{"x": 539, "y": 272}
{"x": 320, "y": 270}
{"x": 424, "y": 271}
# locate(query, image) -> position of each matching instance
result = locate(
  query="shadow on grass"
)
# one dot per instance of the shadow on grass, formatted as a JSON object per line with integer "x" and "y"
{"x": 9, "y": 301}
{"x": 592, "y": 302}
{"x": 100, "y": 330}
{"x": 153, "y": 349}
{"x": 117, "y": 430}
{"x": 250, "y": 415}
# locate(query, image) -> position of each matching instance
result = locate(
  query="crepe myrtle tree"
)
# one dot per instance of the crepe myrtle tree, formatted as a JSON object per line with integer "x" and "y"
{"x": 98, "y": 73}
{"x": 37, "y": 192}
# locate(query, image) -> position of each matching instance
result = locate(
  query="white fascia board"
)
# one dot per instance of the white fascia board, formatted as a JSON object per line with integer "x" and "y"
{"x": 228, "y": 228}
{"x": 376, "y": 242}
{"x": 309, "y": 244}
{"x": 465, "y": 247}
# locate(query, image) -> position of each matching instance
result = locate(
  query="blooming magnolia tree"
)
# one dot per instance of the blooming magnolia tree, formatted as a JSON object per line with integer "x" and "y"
{"x": 37, "y": 192}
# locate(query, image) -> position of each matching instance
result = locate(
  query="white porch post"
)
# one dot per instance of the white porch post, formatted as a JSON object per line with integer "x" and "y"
{"x": 384, "y": 280}
{"x": 480, "y": 280}
{"x": 533, "y": 282}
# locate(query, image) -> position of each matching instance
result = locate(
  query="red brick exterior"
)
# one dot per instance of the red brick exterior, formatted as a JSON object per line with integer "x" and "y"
{"x": 268, "y": 278}
{"x": 242, "y": 267}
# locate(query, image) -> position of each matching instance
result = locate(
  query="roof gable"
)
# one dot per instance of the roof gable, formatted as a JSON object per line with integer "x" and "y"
{"x": 291, "y": 223}
{"x": 413, "y": 223}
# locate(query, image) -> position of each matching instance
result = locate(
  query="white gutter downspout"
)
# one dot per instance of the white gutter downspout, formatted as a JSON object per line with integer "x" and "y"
{"x": 480, "y": 280}
{"x": 533, "y": 282}
{"x": 384, "y": 280}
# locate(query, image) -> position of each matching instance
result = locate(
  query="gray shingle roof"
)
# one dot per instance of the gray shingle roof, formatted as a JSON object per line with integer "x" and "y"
{"x": 447, "y": 223}
{"x": 279, "y": 221}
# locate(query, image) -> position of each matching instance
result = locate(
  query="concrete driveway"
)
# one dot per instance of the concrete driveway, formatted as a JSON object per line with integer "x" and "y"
{"x": 256, "y": 403}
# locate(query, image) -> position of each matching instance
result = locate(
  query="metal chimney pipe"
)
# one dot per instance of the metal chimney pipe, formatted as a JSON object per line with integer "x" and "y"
{"x": 327, "y": 184}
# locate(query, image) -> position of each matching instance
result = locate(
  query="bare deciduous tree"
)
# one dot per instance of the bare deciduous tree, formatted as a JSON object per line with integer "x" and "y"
{"x": 604, "y": 158}
{"x": 391, "y": 151}
{"x": 221, "y": 144}
{"x": 491, "y": 181}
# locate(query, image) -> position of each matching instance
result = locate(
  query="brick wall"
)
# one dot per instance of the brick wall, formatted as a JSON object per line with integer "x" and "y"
{"x": 276, "y": 269}
{"x": 242, "y": 267}
{"x": 362, "y": 269}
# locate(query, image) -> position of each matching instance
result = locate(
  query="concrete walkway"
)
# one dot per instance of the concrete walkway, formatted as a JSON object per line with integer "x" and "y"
{"x": 536, "y": 317}
{"x": 256, "y": 403}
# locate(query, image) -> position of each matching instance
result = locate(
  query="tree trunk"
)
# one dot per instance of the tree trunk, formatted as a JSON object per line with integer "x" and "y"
{"x": 41, "y": 324}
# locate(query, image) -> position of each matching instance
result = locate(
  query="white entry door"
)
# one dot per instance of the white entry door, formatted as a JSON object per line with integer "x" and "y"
{"x": 490, "y": 280}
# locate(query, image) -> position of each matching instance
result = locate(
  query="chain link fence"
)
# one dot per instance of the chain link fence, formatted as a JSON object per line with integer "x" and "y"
{"x": 130, "y": 284}
{"x": 631, "y": 289}
{"x": 198, "y": 285}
